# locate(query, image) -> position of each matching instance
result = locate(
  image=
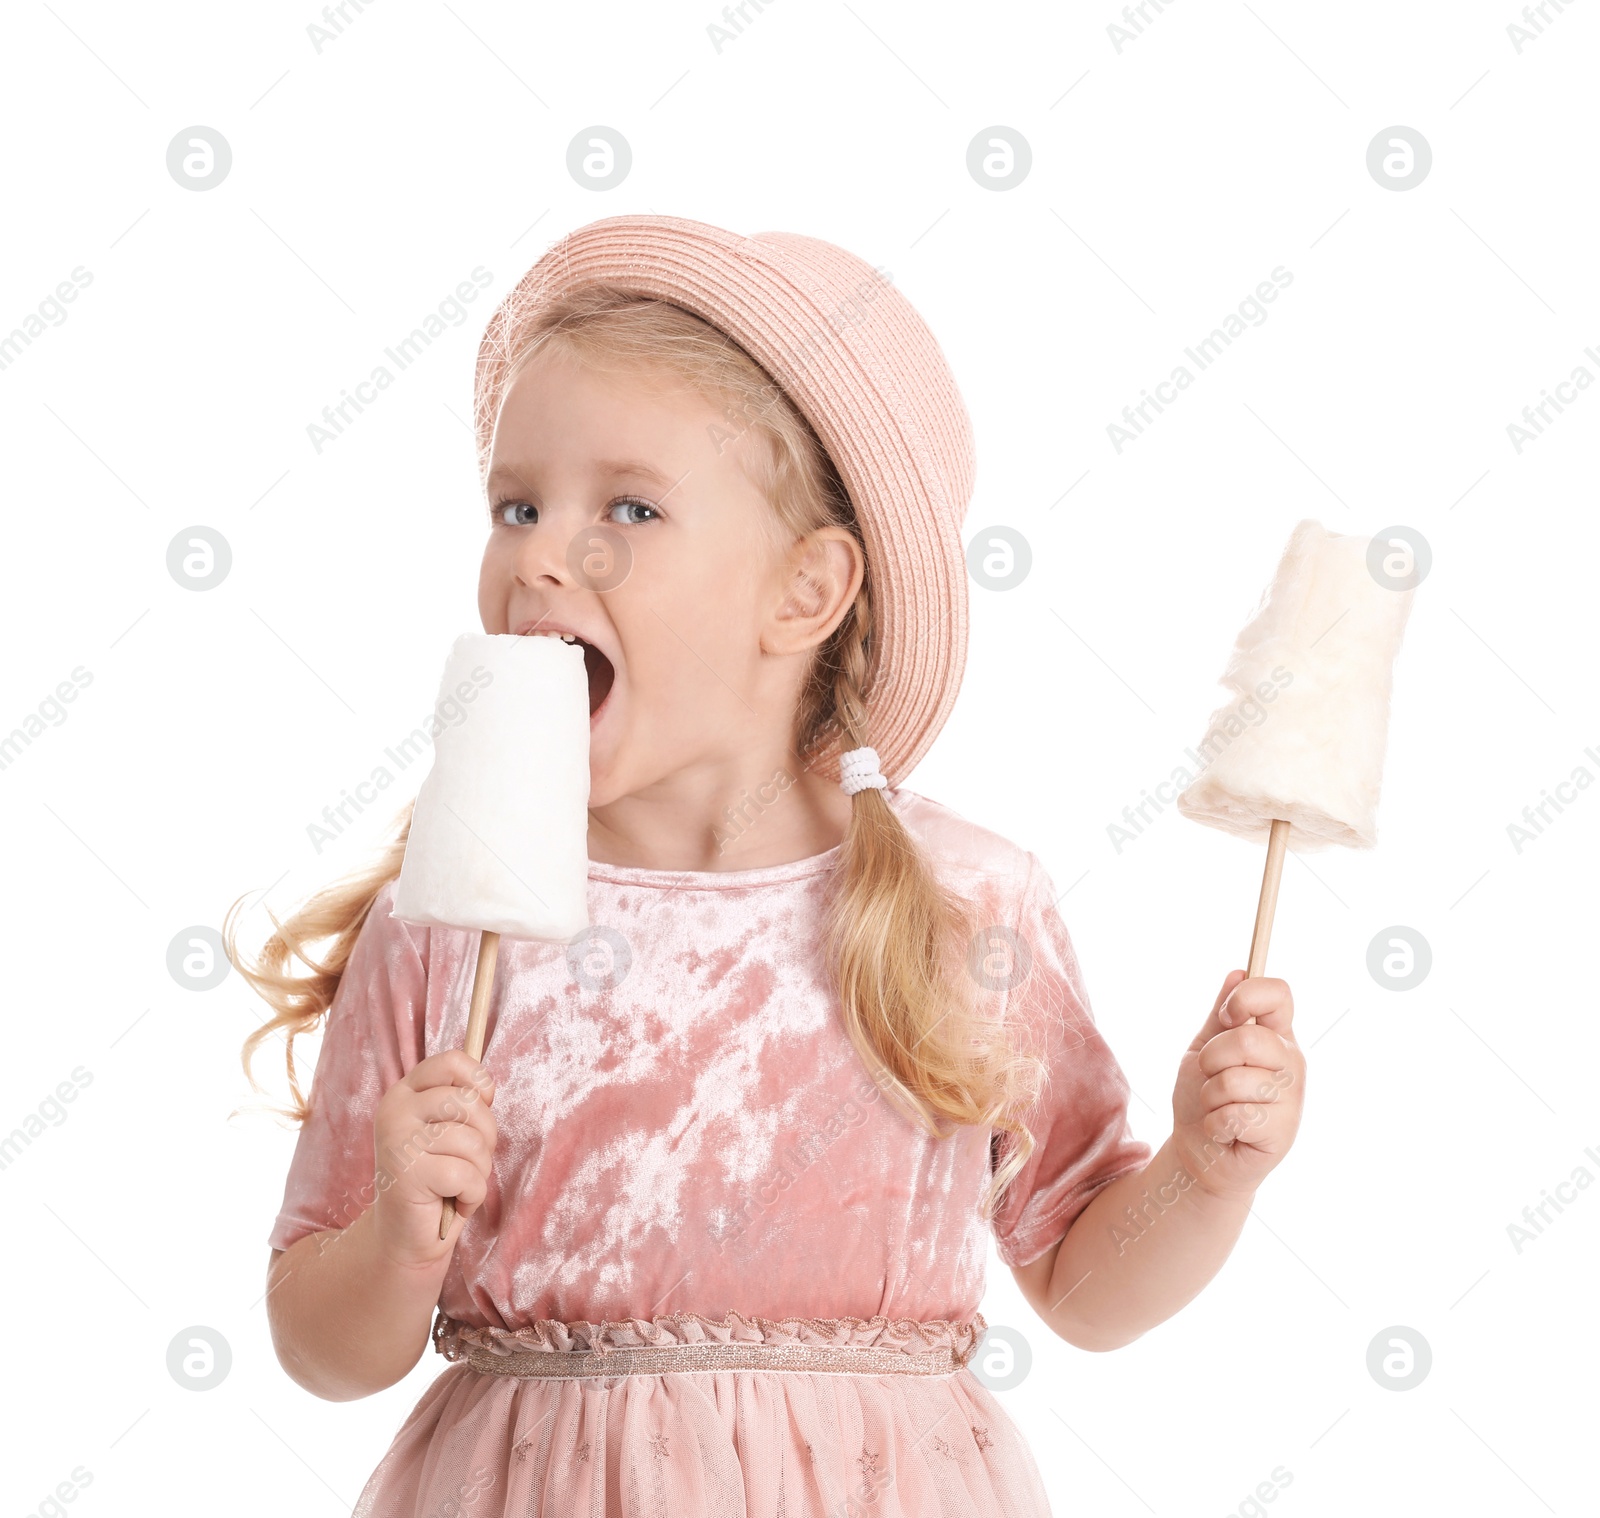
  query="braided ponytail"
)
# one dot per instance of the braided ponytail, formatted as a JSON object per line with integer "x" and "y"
{"x": 897, "y": 939}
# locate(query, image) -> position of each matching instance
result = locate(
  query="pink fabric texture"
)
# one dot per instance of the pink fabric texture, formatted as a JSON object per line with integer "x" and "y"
{"x": 690, "y": 1149}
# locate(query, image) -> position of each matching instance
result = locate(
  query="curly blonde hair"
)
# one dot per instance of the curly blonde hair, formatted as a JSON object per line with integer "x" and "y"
{"x": 895, "y": 937}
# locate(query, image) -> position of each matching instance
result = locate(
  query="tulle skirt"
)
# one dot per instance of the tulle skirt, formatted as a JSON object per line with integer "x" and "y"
{"x": 706, "y": 1441}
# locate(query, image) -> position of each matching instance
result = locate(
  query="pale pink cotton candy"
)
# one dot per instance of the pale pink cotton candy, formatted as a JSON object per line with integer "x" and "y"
{"x": 695, "y": 1152}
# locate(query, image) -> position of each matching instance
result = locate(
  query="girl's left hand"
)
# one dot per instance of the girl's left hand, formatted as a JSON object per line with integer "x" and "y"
{"x": 1241, "y": 1087}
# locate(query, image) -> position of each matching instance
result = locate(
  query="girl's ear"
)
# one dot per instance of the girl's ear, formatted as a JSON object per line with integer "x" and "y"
{"x": 817, "y": 584}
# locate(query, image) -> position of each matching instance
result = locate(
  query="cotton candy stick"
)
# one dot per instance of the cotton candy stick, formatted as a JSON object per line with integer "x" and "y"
{"x": 499, "y": 833}
{"x": 1316, "y": 661}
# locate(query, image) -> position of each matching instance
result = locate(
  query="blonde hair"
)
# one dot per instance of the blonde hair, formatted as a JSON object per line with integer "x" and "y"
{"x": 897, "y": 940}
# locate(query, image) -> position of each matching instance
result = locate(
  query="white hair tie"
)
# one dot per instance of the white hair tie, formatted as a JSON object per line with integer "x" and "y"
{"x": 858, "y": 771}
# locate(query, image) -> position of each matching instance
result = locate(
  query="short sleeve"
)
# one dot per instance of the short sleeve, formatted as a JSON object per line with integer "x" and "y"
{"x": 1082, "y": 1139}
{"x": 372, "y": 1036}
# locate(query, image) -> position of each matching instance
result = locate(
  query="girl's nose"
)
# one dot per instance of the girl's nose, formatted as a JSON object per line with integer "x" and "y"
{"x": 541, "y": 554}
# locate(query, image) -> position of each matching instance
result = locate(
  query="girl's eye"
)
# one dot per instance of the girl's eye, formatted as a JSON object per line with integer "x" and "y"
{"x": 522, "y": 514}
{"x": 634, "y": 504}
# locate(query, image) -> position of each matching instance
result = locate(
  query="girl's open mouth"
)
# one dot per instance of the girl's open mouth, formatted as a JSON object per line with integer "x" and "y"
{"x": 601, "y": 674}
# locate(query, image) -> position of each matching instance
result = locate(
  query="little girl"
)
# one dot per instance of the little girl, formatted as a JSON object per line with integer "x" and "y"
{"x": 727, "y": 1171}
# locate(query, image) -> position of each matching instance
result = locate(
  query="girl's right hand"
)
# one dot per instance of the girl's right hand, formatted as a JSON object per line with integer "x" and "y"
{"x": 433, "y": 1136}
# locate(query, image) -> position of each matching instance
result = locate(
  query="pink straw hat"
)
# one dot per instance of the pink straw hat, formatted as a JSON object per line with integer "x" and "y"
{"x": 854, "y": 356}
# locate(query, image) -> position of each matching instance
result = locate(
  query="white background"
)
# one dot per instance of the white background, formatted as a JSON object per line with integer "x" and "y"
{"x": 1167, "y": 180}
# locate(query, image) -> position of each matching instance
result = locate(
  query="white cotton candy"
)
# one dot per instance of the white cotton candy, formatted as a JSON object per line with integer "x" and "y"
{"x": 500, "y": 834}
{"x": 1303, "y": 736}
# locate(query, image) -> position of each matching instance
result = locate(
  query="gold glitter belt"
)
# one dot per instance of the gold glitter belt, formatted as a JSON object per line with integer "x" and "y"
{"x": 678, "y": 1343}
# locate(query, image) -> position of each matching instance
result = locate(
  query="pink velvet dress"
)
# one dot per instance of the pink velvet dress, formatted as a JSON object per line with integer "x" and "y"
{"x": 691, "y": 1152}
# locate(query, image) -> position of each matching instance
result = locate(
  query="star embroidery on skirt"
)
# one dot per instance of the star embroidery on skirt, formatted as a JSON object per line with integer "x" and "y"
{"x": 868, "y": 1462}
{"x": 981, "y": 1435}
{"x": 943, "y": 1448}
{"x": 521, "y": 1447}
{"x": 658, "y": 1444}
{"x": 811, "y": 1454}
{"x": 583, "y": 1450}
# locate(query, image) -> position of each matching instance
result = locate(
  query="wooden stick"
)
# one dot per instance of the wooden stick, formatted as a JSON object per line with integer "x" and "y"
{"x": 1277, "y": 842}
{"x": 477, "y": 1023}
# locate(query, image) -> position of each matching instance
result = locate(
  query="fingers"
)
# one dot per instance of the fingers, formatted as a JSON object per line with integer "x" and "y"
{"x": 452, "y": 1067}
{"x": 1244, "y": 1087}
{"x": 1214, "y": 1023}
{"x": 460, "y": 1140}
{"x": 1238, "y": 1122}
{"x": 1229, "y": 983}
{"x": 408, "y": 1144}
{"x": 437, "y": 1158}
{"x": 452, "y": 1104}
{"x": 433, "y": 1137}
{"x": 429, "y": 1117}
{"x": 451, "y": 1087}
{"x": 457, "y": 1166}
{"x": 1248, "y": 1044}
{"x": 461, "y": 1179}
{"x": 1262, "y": 997}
